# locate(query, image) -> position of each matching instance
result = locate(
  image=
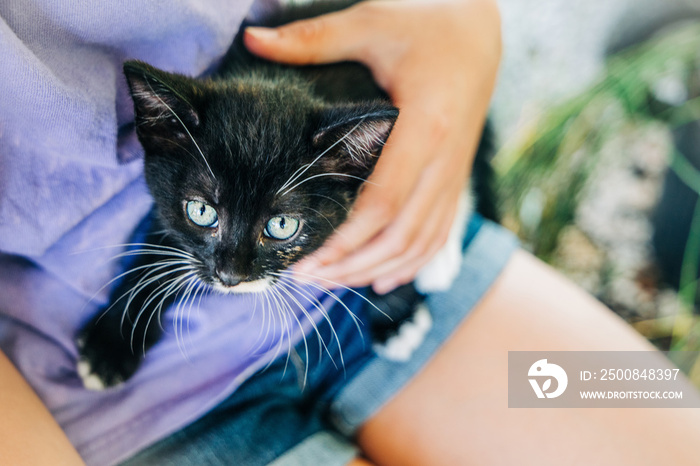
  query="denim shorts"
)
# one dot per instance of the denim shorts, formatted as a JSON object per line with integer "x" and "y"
{"x": 304, "y": 409}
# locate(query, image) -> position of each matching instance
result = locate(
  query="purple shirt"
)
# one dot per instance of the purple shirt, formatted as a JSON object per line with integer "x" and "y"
{"x": 71, "y": 189}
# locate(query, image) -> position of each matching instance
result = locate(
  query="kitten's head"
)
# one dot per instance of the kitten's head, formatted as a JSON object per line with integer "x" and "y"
{"x": 251, "y": 175}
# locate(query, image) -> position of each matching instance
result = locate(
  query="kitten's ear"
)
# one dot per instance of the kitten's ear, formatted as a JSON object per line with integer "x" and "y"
{"x": 161, "y": 99}
{"x": 354, "y": 139}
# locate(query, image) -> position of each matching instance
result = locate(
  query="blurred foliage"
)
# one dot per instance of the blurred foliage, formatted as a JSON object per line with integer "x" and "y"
{"x": 542, "y": 172}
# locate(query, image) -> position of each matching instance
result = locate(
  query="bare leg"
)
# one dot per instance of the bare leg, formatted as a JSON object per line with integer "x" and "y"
{"x": 359, "y": 462}
{"x": 28, "y": 433}
{"x": 455, "y": 412}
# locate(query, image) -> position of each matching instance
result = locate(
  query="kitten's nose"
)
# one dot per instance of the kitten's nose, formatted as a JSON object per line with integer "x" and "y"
{"x": 229, "y": 278}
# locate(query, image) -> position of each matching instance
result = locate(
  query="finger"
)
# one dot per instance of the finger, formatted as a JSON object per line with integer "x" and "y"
{"x": 328, "y": 38}
{"x": 405, "y": 236}
{"x": 404, "y": 271}
{"x": 367, "y": 219}
{"x": 381, "y": 201}
{"x": 431, "y": 237}
{"x": 407, "y": 271}
{"x": 421, "y": 252}
{"x": 391, "y": 248}
{"x": 376, "y": 249}
{"x": 347, "y": 253}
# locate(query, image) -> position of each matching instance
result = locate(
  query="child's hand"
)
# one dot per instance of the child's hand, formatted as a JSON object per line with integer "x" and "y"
{"x": 438, "y": 62}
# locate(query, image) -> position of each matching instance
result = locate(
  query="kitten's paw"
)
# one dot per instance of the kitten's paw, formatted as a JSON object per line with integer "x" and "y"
{"x": 104, "y": 365}
{"x": 90, "y": 381}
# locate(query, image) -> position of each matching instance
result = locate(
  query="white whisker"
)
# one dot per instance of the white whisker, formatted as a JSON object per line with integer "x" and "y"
{"x": 308, "y": 296}
{"x": 344, "y": 175}
{"x": 141, "y": 284}
{"x": 162, "y": 288}
{"x": 322, "y": 343}
{"x": 165, "y": 289}
{"x": 283, "y": 319}
{"x": 304, "y": 168}
{"x": 330, "y": 199}
{"x": 333, "y": 296}
{"x": 306, "y": 346}
{"x": 296, "y": 273}
{"x": 135, "y": 269}
{"x": 174, "y": 288}
{"x": 184, "y": 126}
{"x": 186, "y": 302}
{"x": 326, "y": 219}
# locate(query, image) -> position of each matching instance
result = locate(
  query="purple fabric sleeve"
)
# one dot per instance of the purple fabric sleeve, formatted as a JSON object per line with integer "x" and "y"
{"x": 71, "y": 189}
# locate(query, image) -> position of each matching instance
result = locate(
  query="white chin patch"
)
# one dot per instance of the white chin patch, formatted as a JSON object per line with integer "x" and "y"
{"x": 255, "y": 286}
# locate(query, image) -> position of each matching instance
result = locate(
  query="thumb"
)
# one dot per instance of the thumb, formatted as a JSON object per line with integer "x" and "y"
{"x": 328, "y": 38}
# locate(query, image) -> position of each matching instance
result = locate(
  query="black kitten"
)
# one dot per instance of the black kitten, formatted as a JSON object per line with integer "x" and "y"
{"x": 250, "y": 171}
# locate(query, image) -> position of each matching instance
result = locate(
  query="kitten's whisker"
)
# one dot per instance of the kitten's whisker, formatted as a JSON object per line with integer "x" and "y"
{"x": 205, "y": 292}
{"x": 182, "y": 289}
{"x": 320, "y": 346}
{"x": 288, "y": 285}
{"x": 285, "y": 329}
{"x": 146, "y": 281}
{"x": 255, "y": 306}
{"x": 266, "y": 309}
{"x": 288, "y": 333}
{"x": 200, "y": 291}
{"x": 296, "y": 176}
{"x": 146, "y": 252}
{"x": 162, "y": 288}
{"x": 321, "y": 341}
{"x": 158, "y": 252}
{"x": 278, "y": 348}
{"x": 192, "y": 297}
{"x": 275, "y": 328}
{"x": 300, "y": 286}
{"x": 104, "y": 313}
{"x": 332, "y": 295}
{"x": 306, "y": 346}
{"x": 170, "y": 141}
{"x": 279, "y": 304}
{"x": 344, "y": 175}
{"x": 327, "y": 220}
{"x": 356, "y": 320}
{"x": 158, "y": 309}
{"x": 184, "y": 126}
{"x": 126, "y": 245}
{"x": 330, "y": 199}
{"x": 188, "y": 285}
{"x": 274, "y": 305}
{"x": 263, "y": 310}
{"x": 297, "y": 273}
{"x": 173, "y": 289}
{"x": 135, "y": 269}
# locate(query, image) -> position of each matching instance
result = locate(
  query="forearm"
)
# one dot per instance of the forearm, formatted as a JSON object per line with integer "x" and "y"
{"x": 28, "y": 433}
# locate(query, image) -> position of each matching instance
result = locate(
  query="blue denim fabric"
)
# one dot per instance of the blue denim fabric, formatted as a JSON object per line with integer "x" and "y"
{"x": 285, "y": 417}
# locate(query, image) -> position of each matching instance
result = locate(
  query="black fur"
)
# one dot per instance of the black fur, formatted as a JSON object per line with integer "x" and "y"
{"x": 232, "y": 142}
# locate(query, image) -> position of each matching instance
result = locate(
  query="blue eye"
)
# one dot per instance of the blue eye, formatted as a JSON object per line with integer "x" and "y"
{"x": 281, "y": 228}
{"x": 202, "y": 214}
